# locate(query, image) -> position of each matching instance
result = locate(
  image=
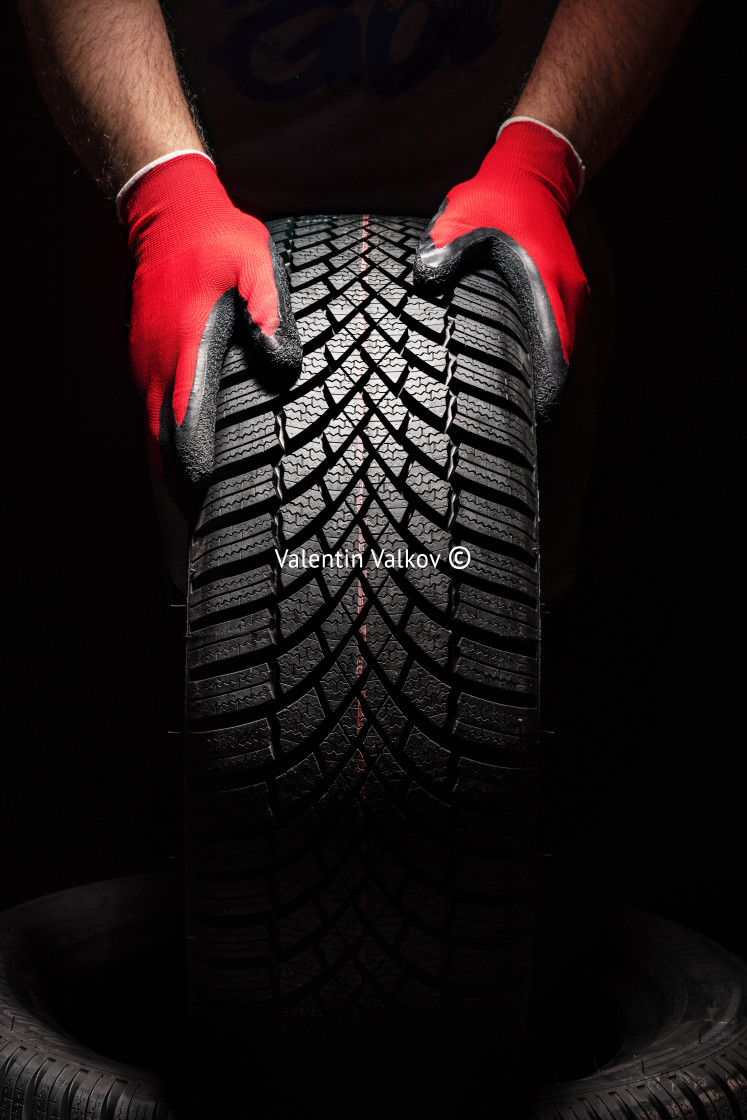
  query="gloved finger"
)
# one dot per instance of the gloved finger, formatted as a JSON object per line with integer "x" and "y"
{"x": 272, "y": 341}
{"x": 187, "y": 447}
{"x": 549, "y": 364}
{"x": 436, "y": 266}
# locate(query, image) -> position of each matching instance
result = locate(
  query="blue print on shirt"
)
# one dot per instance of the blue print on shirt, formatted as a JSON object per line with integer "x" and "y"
{"x": 346, "y": 52}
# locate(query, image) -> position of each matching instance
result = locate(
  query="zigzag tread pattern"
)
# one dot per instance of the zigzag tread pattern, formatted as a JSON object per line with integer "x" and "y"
{"x": 362, "y": 728}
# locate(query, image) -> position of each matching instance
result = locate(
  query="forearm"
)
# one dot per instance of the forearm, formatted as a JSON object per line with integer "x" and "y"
{"x": 599, "y": 66}
{"x": 107, "y": 73}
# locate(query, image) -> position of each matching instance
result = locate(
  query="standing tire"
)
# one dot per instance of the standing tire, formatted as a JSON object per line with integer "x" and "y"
{"x": 361, "y": 737}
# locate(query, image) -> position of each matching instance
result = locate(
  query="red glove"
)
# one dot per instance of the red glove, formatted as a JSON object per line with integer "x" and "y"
{"x": 517, "y": 206}
{"x": 206, "y": 276}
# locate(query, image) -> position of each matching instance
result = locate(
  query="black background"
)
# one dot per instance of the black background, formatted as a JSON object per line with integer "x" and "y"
{"x": 647, "y": 794}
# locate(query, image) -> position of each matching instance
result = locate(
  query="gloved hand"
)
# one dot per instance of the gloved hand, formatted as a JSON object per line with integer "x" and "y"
{"x": 206, "y": 276}
{"x": 517, "y": 207}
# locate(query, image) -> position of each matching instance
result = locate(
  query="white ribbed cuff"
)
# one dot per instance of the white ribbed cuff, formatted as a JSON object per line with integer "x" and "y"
{"x": 560, "y": 136}
{"x": 149, "y": 167}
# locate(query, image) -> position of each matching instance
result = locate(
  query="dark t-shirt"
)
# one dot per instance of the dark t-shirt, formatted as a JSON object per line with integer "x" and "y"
{"x": 377, "y": 105}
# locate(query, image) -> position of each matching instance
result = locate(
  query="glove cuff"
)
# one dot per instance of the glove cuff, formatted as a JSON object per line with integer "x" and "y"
{"x": 552, "y": 152}
{"x": 174, "y": 207}
{"x": 119, "y": 202}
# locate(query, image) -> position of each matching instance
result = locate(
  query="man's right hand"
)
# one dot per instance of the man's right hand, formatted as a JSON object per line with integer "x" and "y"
{"x": 207, "y": 275}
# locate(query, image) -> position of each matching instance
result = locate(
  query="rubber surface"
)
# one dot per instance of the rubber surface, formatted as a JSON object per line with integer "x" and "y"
{"x": 103, "y": 960}
{"x": 58, "y": 944}
{"x": 361, "y": 743}
{"x": 679, "y": 1005}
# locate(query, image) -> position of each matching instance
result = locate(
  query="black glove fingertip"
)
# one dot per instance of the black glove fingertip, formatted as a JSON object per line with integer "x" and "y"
{"x": 188, "y": 449}
{"x": 434, "y": 268}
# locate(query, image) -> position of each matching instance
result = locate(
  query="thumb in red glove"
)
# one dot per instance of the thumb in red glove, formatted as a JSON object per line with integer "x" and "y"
{"x": 207, "y": 275}
{"x": 517, "y": 207}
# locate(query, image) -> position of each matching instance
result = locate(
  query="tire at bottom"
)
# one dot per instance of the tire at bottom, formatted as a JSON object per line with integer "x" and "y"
{"x": 86, "y": 964}
{"x": 677, "y": 1004}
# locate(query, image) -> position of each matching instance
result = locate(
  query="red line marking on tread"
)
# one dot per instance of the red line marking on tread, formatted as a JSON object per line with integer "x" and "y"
{"x": 360, "y": 661}
{"x": 360, "y": 664}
